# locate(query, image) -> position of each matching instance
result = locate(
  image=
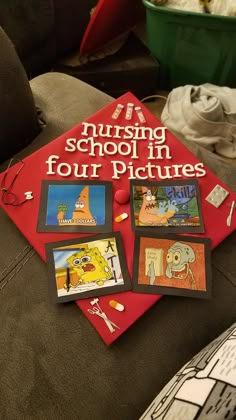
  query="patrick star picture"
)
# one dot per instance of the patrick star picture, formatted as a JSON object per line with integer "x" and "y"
{"x": 81, "y": 214}
{"x": 151, "y": 214}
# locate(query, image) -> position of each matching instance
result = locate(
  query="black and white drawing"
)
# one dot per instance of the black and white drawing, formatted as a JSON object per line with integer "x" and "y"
{"x": 205, "y": 388}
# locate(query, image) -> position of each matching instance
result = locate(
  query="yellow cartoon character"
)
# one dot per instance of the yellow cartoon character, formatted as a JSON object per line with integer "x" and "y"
{"x": 90, "y": 266}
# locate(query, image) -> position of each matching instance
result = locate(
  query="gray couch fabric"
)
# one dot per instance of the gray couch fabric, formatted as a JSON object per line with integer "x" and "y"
{"x": 18, "y": 117}
{"x": 53, "y": 364}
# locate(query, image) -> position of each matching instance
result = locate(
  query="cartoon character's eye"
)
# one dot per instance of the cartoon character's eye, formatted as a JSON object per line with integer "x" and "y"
{"x": 176, "y": 258}
{"x": 76, "y": 204}
{"x": 76, "y": 261}
{"x": 81, "y": 204}
{"x": 169, "y": 257}
{"x": 85, "y": 259}
{"x": 149, "y": 195}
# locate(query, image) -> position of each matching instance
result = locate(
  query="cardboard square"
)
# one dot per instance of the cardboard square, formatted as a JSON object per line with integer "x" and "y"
{"x": 166, "y": 206}
{"x": 75, "y": 206}
{"x": 87, "y": 267}
{"x": 172, "y": 265}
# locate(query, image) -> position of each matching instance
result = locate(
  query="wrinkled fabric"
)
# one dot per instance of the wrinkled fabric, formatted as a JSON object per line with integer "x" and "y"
{"x": 216, "y": 7}
{"x": 205, "y": 115}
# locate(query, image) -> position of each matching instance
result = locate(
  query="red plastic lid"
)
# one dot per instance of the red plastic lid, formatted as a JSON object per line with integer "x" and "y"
{"x": 110, "y": 19}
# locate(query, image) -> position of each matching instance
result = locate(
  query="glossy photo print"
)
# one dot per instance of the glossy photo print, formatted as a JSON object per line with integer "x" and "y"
{"x": 87, "y": 267}
{"x": 167, "y": 206}
{"x": 71, "y": 206}
{"x": 172, "y": 265}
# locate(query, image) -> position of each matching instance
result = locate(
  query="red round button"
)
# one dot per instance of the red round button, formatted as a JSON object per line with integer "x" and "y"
{"x": 122, "y": 196}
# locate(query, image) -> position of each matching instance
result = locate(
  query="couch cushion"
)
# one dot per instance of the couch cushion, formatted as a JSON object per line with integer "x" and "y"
{"x": 28, "y": 23}
{"x": 18, "y": 118}
{"x": 56, "y": 115}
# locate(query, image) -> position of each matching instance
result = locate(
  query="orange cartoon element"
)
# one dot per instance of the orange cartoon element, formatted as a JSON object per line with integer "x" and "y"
{"x": 153, "y": 214}
{"x": 81, "y": 214}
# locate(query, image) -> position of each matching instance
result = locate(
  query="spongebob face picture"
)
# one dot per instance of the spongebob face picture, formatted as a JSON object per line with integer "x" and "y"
{"x": 90, "y": 266}
{"x": 87, "y": 266}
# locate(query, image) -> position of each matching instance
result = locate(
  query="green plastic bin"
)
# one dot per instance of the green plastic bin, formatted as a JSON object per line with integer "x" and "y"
{"x": 192, "y": 48}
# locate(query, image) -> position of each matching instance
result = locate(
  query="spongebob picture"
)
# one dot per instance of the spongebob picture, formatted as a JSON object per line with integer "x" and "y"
{"x": 90, "y": 266}
{"x": 87, "y": 266}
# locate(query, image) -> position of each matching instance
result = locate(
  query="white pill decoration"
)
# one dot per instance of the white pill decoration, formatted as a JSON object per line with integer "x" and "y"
{"x": 116, "y": 305}
{"x": 117, "y": 111}
{"x": 29, "y": 195}
{"x": 121, "y": 217}
{"x": 140, "y": 114}
{"x": 129, "y": 111}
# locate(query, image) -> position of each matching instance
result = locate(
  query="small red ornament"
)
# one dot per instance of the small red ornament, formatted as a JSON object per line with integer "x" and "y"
{"x": 122, "y": 196}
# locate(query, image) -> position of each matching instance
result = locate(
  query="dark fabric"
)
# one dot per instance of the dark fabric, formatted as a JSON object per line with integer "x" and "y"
{"x": 30, "y": 26}
{"x": 18, "y": 118}
{"x": 40, "y": 59}
{"x": 28, "y": 23}
{"x": 62, "y": 102}
{"x": 43, "y": 30}
{"x": 71, "y": 20}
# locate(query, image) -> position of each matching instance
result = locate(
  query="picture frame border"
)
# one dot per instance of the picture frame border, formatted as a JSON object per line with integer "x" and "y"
{"x": 50, "y": 247}
{"x": 43, "y": 205}
{"x": 174, "y": 291}
{"x": 167, "y": 229}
